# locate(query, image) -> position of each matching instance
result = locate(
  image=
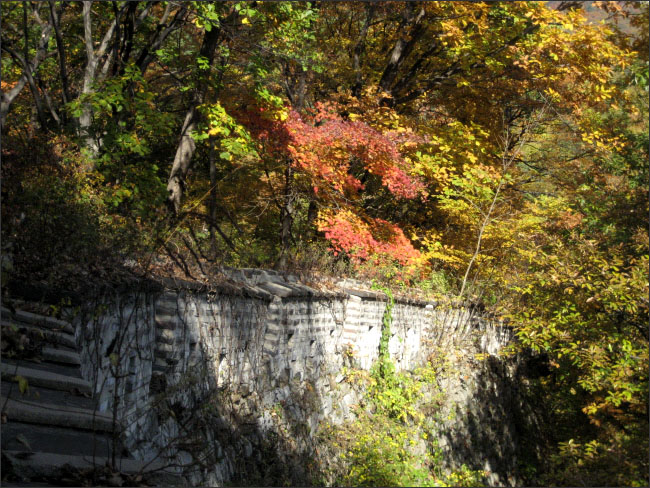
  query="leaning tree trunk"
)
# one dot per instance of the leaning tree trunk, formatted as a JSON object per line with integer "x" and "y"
{"x": 403, "y": 46}
{"x": 187, "y": 146}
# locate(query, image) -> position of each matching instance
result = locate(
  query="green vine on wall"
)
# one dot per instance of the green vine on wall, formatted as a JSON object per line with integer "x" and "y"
{"x": 390, "y": 442}
{"x": 386, "y": 366}
{"x": 389, "y": 392}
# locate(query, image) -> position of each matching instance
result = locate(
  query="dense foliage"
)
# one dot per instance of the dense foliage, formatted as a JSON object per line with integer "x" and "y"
{"x": 495, "y": 151}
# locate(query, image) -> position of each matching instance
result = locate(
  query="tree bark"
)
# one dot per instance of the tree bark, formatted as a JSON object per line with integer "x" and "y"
{"x": 213, "y": 199}
{"x": 312, "y": 213}
{"x": 9, "y": 97}
{"x": 27, "y": 73}
{"x": 162, "y": 32}
{"x": 92, "y": 60}
{"x": 29, "y": 67}
{"x": 403, "y": 46}
{"x": 187, "y": 146}
{"x": 286, "y": 217}
{"x": 65, "y": 83}
{"x": 48, "y": 102}
{"x": 359, "y": 48}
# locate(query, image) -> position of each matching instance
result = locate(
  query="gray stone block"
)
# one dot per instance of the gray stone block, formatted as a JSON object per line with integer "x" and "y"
{"x": 276, "y": 289}
{"x": 51, "y": 336}
{"x": 56, "y": 415}
{"x": 45, "y": 379}
{"x": 165, "y": 336}
{"x": 52, "y": 466}
{"x": 38, "y": 320}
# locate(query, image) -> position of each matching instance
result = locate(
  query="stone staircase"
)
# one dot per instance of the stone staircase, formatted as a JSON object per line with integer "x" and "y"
{"x": 52, "y": 433}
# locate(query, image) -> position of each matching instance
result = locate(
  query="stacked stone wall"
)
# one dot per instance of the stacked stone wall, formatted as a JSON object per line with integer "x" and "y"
{"x": 204, "y": 378}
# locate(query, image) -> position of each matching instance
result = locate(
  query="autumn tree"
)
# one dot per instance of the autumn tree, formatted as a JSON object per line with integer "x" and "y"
{"x": 492, "y": 150}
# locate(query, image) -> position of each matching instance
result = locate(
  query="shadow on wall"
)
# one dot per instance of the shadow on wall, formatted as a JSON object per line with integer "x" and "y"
{"x": 216, "y": 385}
{"x": 230, "y": 385}
{"x": 492, "y": 425}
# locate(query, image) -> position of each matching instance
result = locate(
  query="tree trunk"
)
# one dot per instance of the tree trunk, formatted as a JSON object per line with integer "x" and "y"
{"x": 184, "y": 152}
{"x": 37, "y": 97}
{"x": 312, "y": 213}
{"x": 359, "y": 49}
{"x": 9, "y": 97}
{"x": 506, "y": 162}
{"x": 187, "y": 146}
{"x": 54, "y": 18}
{"x": 147, "y": 55}
{"x": 92, "y": 60}
{"x": 213, "y": 200}
{"x": 403, "y": 46}
{"x": 29, "y": 67}
{"x": 286, "y": 217}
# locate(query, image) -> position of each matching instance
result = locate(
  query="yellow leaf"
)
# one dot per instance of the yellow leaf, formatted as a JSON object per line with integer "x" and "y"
{"x": 245, "y": 21}
{"x": 23, "y": 386}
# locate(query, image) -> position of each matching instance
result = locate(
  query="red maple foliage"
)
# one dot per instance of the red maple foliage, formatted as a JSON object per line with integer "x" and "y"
{"x": 322, "y": 146}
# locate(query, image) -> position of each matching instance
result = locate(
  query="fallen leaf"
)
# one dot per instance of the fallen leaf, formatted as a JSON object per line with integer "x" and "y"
{"x": 23, "y": 385}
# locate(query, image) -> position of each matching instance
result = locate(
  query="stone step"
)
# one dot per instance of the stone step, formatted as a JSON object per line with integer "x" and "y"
{"x": 49, "y": 466}
{"x": 73, "y": 371}
{"x": 52, "y": 337}
{"x": 46, "y": 395}
{"x": 61, "y": 356}
{"x": 20, "y": 484}
{"x": 36, "y": 319}
{"x": 47, "y": 438}
{"x": 18, "y": 410}
{"x": 37, "y": 377}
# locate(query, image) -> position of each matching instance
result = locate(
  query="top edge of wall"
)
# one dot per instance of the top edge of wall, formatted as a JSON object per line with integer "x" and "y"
{"x": 268, "y": 285}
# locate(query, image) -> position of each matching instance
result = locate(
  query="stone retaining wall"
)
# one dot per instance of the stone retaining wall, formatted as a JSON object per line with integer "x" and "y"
{"x": 207, "y": 377}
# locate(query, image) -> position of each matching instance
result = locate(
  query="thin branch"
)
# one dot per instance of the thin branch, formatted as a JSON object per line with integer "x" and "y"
{"x": 162, "y": 32}
{"x": 213, "y": 223}
{"x": 55, "y": 19}
{"x": 180, "y": 262}
{"x": 506, "y": 162}
{"x": 48, "y": 102}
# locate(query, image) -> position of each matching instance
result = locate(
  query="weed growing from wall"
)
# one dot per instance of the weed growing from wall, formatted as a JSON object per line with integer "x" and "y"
{"x": 390, "y": 442}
